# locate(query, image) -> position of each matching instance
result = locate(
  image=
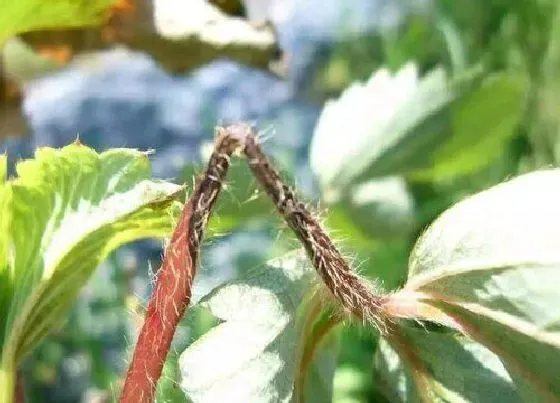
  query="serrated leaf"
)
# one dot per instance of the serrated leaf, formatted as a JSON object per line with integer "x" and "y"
{"x": 69, "y": 208}
{"x": 490, "y": 267}
{"x": 441, "y": 367}
{"x": 424, "y": 128}
{"x": 28, "y": 15}
{"x": 370, "y": 120}
{"x": 256, "y": 353}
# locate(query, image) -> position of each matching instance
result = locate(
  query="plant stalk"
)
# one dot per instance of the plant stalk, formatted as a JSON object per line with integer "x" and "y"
{"x": 353, "y": 293}
{"x": 172, "y": 293}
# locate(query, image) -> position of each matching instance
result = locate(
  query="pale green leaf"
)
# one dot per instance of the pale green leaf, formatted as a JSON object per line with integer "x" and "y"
{"x": 420, "y": 127}
{"x": 441, "y": 367}
{"x": 5, "y": 284}
{"x": 490, "y": 267}
{"x": 28, "y": 15}
{"x": 70, "y": 208}
{"x": 373, "y": 119}
{"x": 257, "y": 353}
{"x": 382, "y": 208}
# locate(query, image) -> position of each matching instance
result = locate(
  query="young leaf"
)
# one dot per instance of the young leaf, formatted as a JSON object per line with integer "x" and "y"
{"x": 69, "y": 208}
{"x": 441, "y": 367}
{"x": 258, "y": 352}
{"x": 490, "y": 267}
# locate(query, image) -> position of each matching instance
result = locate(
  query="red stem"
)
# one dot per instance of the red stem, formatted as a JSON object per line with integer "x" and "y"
{"x": 166, "y": 307}
{"x": 172, "y": 292}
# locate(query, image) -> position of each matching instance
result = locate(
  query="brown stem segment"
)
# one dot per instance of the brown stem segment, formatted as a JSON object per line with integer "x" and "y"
{"x": 172, "y": 292}
{"x": 353, "y": 293}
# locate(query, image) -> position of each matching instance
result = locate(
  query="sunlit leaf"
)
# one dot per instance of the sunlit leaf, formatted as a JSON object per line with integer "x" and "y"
{"x": 269, "y": 324}
{"x": 371, "y": 120}
{"x": 490, "y": 268}
{"x": 70, "y": 208}
{"x": 382, "y": 209}
{"x": 420, "y": 127}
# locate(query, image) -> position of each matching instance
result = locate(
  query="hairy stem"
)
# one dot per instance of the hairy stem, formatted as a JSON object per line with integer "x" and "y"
{"x": 173, "y": 287}
{"x": 172, "y": 292}
{"x": 353, "y": 293}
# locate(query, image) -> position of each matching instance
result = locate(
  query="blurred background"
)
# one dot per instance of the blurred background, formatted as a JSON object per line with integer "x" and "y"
{"x": 57, "y": 85}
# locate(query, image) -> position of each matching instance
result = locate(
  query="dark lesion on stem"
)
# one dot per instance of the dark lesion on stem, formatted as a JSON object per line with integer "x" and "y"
{"x": 352, "y": 292}
{"x": 172, "y": 292}
{"x": 211, "y": 183}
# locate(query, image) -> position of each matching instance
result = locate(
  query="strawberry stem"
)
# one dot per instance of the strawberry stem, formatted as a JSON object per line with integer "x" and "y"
{"x": 172, "y": 293}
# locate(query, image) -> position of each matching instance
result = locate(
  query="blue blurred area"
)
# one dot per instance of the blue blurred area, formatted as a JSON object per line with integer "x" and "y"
{"x": 126, "y": 100}
{"x": 131, "y": 102}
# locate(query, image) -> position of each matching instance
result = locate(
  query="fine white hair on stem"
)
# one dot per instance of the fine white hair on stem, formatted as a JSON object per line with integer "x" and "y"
{"x": 355, "y": 294}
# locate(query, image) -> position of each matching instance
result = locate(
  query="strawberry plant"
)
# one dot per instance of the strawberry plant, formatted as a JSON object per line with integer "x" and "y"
{"x": 431, "y": 229}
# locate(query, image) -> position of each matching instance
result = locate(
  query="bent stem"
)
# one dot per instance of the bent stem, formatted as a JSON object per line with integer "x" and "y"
{"x": 173, "y": 287}
{"x": 352, "y": 292}
{"x": 172, "y": 292}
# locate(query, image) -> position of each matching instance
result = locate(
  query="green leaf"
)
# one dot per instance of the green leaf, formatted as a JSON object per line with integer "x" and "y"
{"x": 70, "y": 208}
{"x": 353, "y": 381}
{"x": 439, "y": 367}
{"x": 383, "y": 260}
{"x": 422, "y": 128}
{"x": 382, "y": 209}
{"x": 261, "y": 349}
{"x": 29, "y": 15}
{"x": 490, "y": 268}
{"x": 482, "y": 121}
{"x": 5, "y": 289}
{"x": 373, "y": 121}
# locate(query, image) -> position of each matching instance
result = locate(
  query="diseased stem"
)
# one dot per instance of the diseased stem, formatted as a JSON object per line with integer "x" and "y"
{"x": 172, "y": 292}
{"x": 352, "y": 292}
{"x": 173, "y": 287}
